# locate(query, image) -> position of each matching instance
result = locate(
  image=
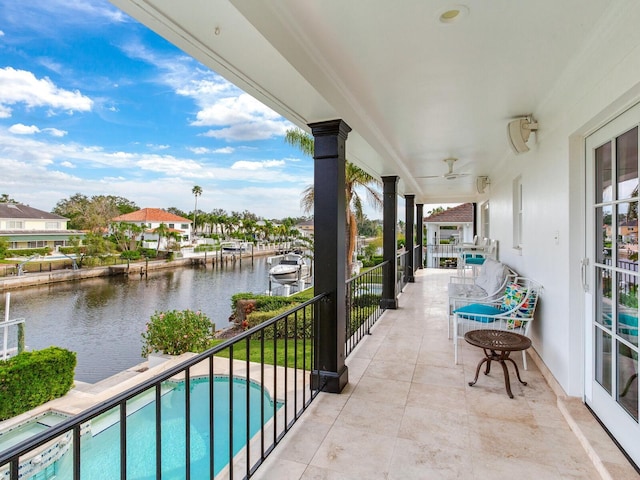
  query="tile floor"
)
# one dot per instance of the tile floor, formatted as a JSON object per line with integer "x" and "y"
{"x": 408, "y": 413}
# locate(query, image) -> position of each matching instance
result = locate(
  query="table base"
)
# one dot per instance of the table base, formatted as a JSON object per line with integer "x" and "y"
{"x": 500, "y": 357}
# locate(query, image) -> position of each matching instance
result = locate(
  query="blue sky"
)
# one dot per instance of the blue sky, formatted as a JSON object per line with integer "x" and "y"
{"x": 92, "y": 102}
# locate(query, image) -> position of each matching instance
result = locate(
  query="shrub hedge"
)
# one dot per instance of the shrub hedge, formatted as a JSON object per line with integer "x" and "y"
{"x": 27, "y": 252}
{"x": 296, "y": 326}
{"x": 32, "y": 378}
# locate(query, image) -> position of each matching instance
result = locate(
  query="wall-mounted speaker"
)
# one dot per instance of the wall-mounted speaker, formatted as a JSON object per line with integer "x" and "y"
{"x": 518, "y": 132}
{"x": 481, "y": 183}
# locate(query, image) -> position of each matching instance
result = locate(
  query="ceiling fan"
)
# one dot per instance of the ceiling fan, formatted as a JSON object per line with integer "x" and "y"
{"x": 450, "y": 175}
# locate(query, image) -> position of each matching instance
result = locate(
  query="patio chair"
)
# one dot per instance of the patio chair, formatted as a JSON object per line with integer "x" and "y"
{"x": 475, "y": 256}
{"x": 513, "y": 311}
{"x": 486, "y": 287}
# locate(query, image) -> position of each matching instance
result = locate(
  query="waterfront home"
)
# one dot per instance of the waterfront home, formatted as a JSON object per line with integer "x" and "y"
{"x": 543, "y": 99}
{"x": 25, "y": 227}
{"x": 149, "y": 219}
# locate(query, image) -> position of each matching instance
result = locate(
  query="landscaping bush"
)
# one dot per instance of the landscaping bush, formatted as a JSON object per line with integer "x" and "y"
{"x": 28, "y": 252}
{"x": 32, "y": 378}
{"x": 297, "y": 326}
{"x": 130, "y": 255}
{"x": 175, "y": 332}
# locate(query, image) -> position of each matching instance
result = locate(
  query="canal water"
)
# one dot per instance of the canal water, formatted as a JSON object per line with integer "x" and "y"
{"x": 102, "y": 319}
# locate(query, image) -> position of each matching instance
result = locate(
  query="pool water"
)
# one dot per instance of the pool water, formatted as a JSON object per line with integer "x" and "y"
{"x": 13, "y": 436}
{"x": 100, "y": 453}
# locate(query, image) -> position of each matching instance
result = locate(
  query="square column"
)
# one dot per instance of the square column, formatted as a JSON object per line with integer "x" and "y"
{"x": 330, "y": 372}
{"x": 419, "y": 233}
{"x": 409, "y": 220}
{"x": 389, "y": 241}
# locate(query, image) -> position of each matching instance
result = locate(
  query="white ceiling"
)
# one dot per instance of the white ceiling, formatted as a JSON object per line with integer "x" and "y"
{"x": 413, "y": 89}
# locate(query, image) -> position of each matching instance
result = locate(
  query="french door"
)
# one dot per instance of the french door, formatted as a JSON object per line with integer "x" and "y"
{"x": 611, "y": 272}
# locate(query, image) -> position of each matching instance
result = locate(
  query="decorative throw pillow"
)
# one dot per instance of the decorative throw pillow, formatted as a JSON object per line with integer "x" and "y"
{"x": 513, "y": 295}
{"x": 526, "y": 309}
{"x": 491, "y": 276}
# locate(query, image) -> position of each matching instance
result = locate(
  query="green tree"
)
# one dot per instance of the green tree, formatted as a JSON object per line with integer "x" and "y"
{"x": 435, "y": 211}
{"x": 161, "y": 231}
{"x": 5, "y": 198}
{"x": 355, "y": 179}
{"x": 178, "y": 212}
{"x": 95, "y": 213}
{"x": 4, "y": 247}
{"x": 197, "y": 191}
{"x": 125, "y": 235}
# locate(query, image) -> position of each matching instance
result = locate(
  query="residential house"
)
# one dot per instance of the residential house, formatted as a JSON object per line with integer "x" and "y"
{"x": 444, "y": 230}
{"x": 540, "y": 99}
{"x": 149, "y": 219}
{"x": 454, "y": 225}
{"x": 25, "y": 227}
{"x": 305, "y": 228}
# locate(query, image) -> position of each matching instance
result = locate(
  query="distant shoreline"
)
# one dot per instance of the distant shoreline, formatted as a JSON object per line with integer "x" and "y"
{"x": 132, "y": 269}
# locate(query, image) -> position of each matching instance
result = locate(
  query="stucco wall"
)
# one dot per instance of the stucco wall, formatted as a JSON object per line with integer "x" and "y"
{"x": 602, "y": 81}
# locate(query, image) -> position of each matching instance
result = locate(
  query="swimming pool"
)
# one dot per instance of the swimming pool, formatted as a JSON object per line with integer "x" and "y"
{"x": 100, "y": 453}
{"x": 14, "y": 435}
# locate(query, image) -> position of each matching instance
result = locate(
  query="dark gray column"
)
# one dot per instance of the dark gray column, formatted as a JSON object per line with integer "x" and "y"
{"x": 330, "y": 373}
{"x": 389, "y": 241}
{"x": 409, "y": 207}
{"x": 419, "y": 233}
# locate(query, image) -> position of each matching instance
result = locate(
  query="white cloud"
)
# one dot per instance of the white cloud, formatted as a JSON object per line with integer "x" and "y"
{"x": 158, "y": 147}
{"x": 200, "y": 150}
{"x": 248, "y": 165}
{"x": 55, "y": 132}
{"x": 20, "y": 129}
{"x": 233, "y": 110}
{"x": 46, "y": 171}
{"x": 249, "y": 131}
{"x": 1, "y": 33}
{"x": 20, "y": 86}
{"x": 203, "y": 150}
{"x": 224, "y": 150}
{"x": 221, "y": 103}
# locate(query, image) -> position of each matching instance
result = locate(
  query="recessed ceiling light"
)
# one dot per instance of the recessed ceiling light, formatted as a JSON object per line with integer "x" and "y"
{"x": 453, "y": 14}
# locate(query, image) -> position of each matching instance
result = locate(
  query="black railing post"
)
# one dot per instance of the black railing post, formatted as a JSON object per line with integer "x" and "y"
{"x": 409, "y": 220}
{"x": 389, "y": 242}
{"x": 419, "y": 233}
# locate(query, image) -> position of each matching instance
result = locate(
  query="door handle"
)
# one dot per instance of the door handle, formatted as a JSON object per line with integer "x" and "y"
{"x": 584, "y": 264}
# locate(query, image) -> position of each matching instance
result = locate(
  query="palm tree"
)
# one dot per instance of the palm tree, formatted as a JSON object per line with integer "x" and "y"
{"x": 162, "y": 231}
{"x": 197, "y": 191}
{"x": 355, "y": 179}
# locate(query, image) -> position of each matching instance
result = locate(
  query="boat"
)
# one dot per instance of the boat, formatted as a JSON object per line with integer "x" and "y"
{"x": 234, "y": 247}
{"x": 290, "y": 268}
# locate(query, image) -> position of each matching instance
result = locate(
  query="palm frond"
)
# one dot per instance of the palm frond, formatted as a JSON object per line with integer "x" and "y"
{"x": 300, "y": 139}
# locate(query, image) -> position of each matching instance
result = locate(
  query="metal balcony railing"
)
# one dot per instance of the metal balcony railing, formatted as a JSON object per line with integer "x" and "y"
{"x": 181, "y": 438}
{"x": 364, "y": 293}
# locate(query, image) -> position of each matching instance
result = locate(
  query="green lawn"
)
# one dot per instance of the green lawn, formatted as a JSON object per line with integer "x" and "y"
{"x": 240, "y": 349}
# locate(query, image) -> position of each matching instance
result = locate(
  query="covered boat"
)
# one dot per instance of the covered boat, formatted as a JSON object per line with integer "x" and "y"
{"x": 290, "y": 268}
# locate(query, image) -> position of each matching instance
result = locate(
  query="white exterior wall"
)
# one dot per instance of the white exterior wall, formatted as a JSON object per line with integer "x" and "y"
{"x": 32, "y": 224}
{"x": 602, "y": 81}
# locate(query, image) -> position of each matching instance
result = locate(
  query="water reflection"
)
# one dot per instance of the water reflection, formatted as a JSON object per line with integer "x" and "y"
{"x": 101, "y": 319}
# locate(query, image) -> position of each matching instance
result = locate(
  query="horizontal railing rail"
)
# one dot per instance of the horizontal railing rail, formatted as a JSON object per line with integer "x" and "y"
{"x": 275, "y": 358}
{"x": 364, "y": 293}
{"x": 442, "y": 255}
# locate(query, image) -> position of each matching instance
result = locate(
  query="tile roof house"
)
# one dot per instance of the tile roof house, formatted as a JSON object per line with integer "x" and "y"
{"x": 25, "y": 227}
{"x": 150, "y": 219}
{"x": 455, "y": 222}
{"x": 452, "y": 225}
